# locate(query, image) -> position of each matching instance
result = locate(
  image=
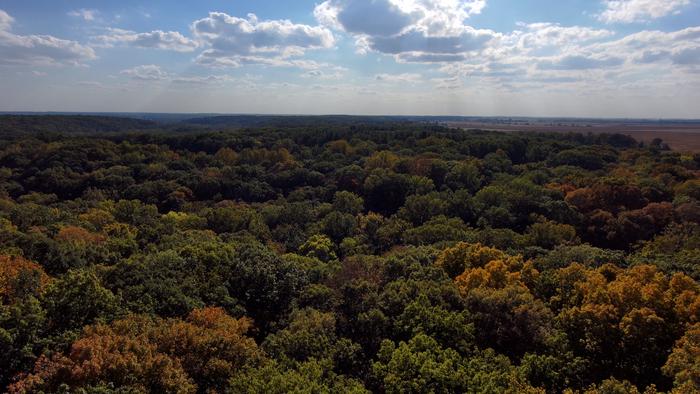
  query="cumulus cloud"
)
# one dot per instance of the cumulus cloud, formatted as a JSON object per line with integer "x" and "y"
{"x": 329, "y": 73}
{"x": 158, "y": 39}
{"x": 687, "y": 57}
{"x": 313, "y": 74}
{"x": 149, "y": 72}
{"x": 412, "y": 30}
{"x": 398, "y": 78}
{"x": 552, "y": 36}
{"x": 627, "y": 11}
{"x": 374, "y": 17}
{"x": 422, "y": 57}
{"x": 92, "y": 84}
{"x": 214, "y": 59}
{"x": 155, "y": 73}
{"x": 551, "y": 52}
{"x": 38, "y": 50}
{"x": 6, "y": 21}
{"x": 236, "y": 41}
{"x": 437, "y": 31}
{"x": 580, "y": 62}
{"x": 414, "y": 41}
{"x": 85, "y": 14}
{"x": 652, "y": 56}
{"x": 450, "y": 83}
{"x": 202, "y": 80}
{"x": 389, "y": 17}
{"x": 546, "y": 56}
{"x": 653, "y": 47}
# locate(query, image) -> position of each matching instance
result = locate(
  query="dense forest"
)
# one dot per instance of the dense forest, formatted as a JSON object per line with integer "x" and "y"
{"x": 343, "y": 257}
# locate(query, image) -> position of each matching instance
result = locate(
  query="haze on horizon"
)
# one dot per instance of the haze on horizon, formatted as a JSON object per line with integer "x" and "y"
{"x": 577, "y": 58}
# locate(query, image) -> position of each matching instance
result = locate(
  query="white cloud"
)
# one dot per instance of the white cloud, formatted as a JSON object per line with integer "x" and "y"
{"x": 411, "y": 30}
{"x": 579, "y": 62}
{"x": 687, "y": 57}
{"x": 436, "y": 31}
{"x": 92, "y": 84}
{"x": 376, "y": 18}
{"x": 450, "y": 83}
{"x": 330, "y": 73}
{"x": 154, "y": 73}
{"x": 313, "y": 74}
{"x": 551, "y": 58}
{"x": 399, "y": 78}
{"x": 88, "y": 15}
{"x": 6, "y": 21}
{"x": 445, "y": 17}
{"x": 552, "y": 36}
{"x": 202, "y": 80}
{"x": 214, "y": 59}
{"x": 38, "y": 50}
{"x": 158, "y": 39}
{"x": 656, "y": 47}
{"x": 391, "y": 17}
{"x": 149, "y": 72}
{"x": 627, "y": 11}
{"x": 422, "y": 57}
{"x": 236, "y": 41}
{"x": 415, "y": 41}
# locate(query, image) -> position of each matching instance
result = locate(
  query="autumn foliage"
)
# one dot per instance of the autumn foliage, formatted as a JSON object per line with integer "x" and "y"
{"x": 152, "y": 355}
{"x": 16, "y": 274}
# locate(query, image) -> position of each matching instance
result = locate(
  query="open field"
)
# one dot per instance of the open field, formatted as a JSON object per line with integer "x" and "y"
{"x": 680, "y": 136}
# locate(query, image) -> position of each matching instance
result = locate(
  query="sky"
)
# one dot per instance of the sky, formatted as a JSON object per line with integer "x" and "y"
{"x": 574, "y": 58}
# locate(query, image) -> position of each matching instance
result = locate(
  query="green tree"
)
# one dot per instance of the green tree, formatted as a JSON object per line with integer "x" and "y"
{"x": 348, "y": 202}
{"x": 78, "y": 299}
{"x": 421, "y": 365}
{"x": 304, "y": 378}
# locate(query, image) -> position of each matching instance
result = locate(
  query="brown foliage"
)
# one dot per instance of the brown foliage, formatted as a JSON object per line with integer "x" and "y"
{"x": 625, "y": 319}
{"x": 151, "y": 354}
{"x": 464, "y": 256}
{"x": 12, "y": 270}
{"x": 684, "y": 363}
{"x": 610, "y": 197}
{"x": 79, "y": 235}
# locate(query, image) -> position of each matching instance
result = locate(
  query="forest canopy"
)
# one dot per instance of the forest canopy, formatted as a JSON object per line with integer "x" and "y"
{"x": 388, "y": 257}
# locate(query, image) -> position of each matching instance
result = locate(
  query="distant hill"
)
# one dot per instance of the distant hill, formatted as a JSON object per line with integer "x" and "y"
{"x": 249, "y": 120}
{"x": 292, "y": 120}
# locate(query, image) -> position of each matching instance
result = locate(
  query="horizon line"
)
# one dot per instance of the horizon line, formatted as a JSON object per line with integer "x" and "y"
{"x": 224, "y": 114}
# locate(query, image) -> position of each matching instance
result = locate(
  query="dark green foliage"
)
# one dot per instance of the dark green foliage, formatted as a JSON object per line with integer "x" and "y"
{"x": 76, "y": 300}
{"x": 244, "y": 279}
{"x": 21, "y": 329}
{"x": 308, "y": 377}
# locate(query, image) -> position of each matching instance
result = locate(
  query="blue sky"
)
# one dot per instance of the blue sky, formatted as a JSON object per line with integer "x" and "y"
{"x": 603, "y": 58}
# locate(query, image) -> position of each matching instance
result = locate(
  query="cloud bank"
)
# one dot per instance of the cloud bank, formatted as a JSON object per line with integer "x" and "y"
{"x": 234, "y": 41}
{"x": 157, "y": 39}
{"x": 628, "y": 11}
{"x": 38, "y": 50}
